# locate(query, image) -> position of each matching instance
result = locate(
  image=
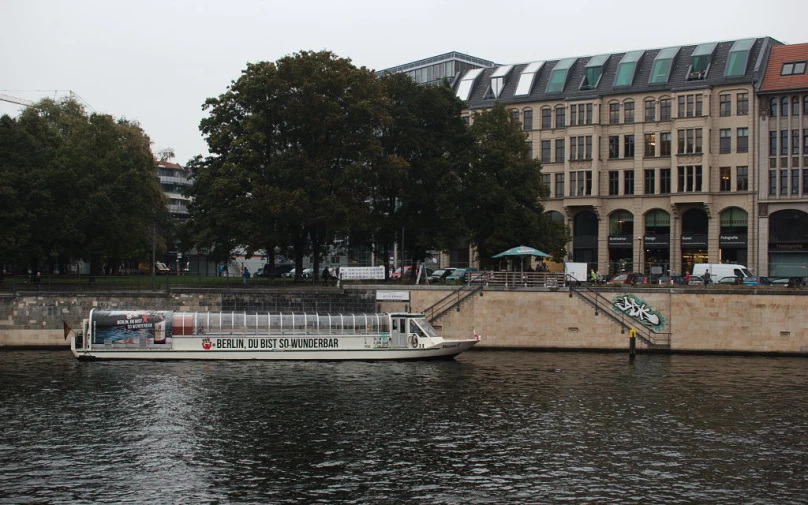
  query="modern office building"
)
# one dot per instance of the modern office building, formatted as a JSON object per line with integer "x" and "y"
{"x": 783, "y": 163}
{"x": 435, "y": 69}
{"x": 649, "y": 154}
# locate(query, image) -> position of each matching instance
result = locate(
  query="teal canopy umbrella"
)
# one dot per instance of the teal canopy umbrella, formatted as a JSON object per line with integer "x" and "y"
{"x": 521, "y": 252}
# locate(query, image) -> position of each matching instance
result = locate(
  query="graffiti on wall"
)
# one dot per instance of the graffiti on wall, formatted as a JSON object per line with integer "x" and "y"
{"x": 638, "y": 310}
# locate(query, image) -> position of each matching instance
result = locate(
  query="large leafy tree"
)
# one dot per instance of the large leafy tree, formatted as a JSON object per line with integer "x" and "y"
{"x": 418, "y": 176}
{"x": 295, "y": 138}
{"x": 503, "y": 190}
{"x": 80, "y": 185}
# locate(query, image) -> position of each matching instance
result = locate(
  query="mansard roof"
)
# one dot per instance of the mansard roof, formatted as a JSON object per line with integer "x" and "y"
{"x": 680, "y": 74}
{"x": 777, "y": 78}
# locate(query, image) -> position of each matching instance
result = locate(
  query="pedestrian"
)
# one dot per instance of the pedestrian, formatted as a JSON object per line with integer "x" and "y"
{"x": 687, "y": 277}
{"x": 594, "y": 276}
{"x": 325, "y": 276}
{"x": 245, "y": 275}
{"x": 38, "y": 280}
{"x": 706, "y": 278}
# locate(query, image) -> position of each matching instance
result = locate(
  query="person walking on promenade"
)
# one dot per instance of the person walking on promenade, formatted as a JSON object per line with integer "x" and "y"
{"x": 325, "y": 275}
{"x": 687, "y": 277}
{"x": 706, "y": 278}
{"x": 245, "y": 275}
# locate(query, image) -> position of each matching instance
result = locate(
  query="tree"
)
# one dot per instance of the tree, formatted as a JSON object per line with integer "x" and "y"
{"x": 418, "y": 176}
{"x": 295, "y": 137}
{"x": 84, "y": 186}
{"x": 503, "y": 190}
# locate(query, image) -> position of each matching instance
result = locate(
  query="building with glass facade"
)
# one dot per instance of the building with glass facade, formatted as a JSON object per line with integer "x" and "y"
{"x": 437, "y": 68}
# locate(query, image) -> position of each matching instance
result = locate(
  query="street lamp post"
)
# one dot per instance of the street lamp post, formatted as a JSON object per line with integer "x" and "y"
{"x": 639, "y": 258}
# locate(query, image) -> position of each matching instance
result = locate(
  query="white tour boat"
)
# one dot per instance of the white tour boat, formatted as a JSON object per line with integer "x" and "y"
{"x": 164, "y": 335}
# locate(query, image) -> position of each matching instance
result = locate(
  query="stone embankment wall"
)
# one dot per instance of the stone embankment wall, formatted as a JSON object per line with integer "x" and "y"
{"x": 729, "y": 320}
{"x": 732, "y": 320}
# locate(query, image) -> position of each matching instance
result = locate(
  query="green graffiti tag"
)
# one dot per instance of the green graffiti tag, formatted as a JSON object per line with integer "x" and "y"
{"x": 638, "y": 310}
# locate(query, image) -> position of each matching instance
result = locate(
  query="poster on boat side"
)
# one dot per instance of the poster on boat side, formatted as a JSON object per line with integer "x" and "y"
{"x": 131, "y": 327}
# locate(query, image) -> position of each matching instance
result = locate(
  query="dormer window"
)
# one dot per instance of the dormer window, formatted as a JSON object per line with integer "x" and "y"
{"x": 661, "y": 70}
{"x": 498, "y": 80}
{"x": 627, "y": 67}
{"x": 700, "y": 61}
{"x": 793, "y": 68}
{"x": 559, "y": 75}
{"x": 527, "y": 77}
{"x": 738, "y": 58}
{"x": 593, "y": 71}
{"x": 466, "y": 83}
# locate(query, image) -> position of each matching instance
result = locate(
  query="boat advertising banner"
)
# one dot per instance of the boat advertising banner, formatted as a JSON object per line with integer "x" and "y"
{"x": 131, "y": 327}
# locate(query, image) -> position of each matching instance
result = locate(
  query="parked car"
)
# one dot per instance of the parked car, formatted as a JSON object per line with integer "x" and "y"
{"x": 630, "y": 278}
{"x": 730, "y": 281}
{"x": 459, "y": 275}
{"x": 440, "y": 275}
{"x": 671, "y": 279}
{"x": 696, "y": 280}
{"x": 757, "y": 280}
{"x": 278, "y": 271}
{"x": 405, "y": 270}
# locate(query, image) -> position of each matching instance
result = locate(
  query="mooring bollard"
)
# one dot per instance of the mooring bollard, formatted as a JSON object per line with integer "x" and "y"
{"x": 632, "y": 343}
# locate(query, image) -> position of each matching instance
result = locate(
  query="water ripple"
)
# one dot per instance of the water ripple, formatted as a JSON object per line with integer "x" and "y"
{"x": 489, "y": 427}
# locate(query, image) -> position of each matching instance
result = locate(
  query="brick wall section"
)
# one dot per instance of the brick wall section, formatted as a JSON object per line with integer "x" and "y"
{"x": 738, "y": 320}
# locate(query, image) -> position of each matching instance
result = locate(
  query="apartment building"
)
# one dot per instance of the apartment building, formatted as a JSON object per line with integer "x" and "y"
{"x": 174, "y": 180}
{"x": 649, "y": 154}
{"x": 783, "y": 163}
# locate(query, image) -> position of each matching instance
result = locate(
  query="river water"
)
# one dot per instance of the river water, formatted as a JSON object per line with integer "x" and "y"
{"x": 489, "y": 427}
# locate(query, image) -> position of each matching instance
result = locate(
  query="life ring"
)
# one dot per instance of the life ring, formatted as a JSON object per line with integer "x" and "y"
{"x": 414, "y": 341}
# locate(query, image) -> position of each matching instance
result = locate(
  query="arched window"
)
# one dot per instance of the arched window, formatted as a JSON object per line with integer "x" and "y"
{"x": 556, "y": 216}
{"x": 695, "y": 221}
{"x": 788, "y": 226}
{"x": 784, "y": 106}
{"x": 795, "y": 106}
{"x": 773, "y": 107}
{"x": 657, "y": 222}
{"x": 546, "y": 118}
{"x": 621, "y": 222}
{"x": 734, "y": 220}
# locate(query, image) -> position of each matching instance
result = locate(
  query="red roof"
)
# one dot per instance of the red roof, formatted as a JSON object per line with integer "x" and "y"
{"x": 166, "y": 164}
{"x": 773, "y": 81}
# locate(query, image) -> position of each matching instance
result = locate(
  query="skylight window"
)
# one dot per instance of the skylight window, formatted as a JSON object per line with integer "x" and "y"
{"x": 559, "y": 75}
{"x": 498, "y": 79}
{"x": 593, "y": 71}
{"x": 527, "y": 77}
{"x": 793, "y": 68}
{"x": 464, "y": 89}
{"x": 626, "y": 68}
{"x": 661, "y": 70}
{"x": 738, "y": 57}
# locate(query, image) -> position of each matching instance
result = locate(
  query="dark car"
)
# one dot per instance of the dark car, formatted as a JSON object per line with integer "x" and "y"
{"x": 730, "y": 281}
{"x": 278, "y": 271}
{"x": 696, "y": 280}
{"x": 440, "y": 275}
{"x": 757, "y": 280}
{"x": 460, "y": 275}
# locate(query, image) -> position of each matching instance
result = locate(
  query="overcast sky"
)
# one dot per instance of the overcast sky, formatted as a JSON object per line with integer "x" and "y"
{"x": 156, "y": 61}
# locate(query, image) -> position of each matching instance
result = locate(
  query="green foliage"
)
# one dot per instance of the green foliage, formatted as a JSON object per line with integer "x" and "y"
{"x": 76, "y": 185}
{"x": 293, "y": 139}
{"x": 503, "y": 191}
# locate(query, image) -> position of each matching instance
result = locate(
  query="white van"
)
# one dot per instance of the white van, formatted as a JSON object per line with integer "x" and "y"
{"x": 720, "y": 270}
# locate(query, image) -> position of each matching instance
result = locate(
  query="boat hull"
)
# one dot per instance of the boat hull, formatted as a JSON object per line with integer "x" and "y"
{"x": 447, "y": 350}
